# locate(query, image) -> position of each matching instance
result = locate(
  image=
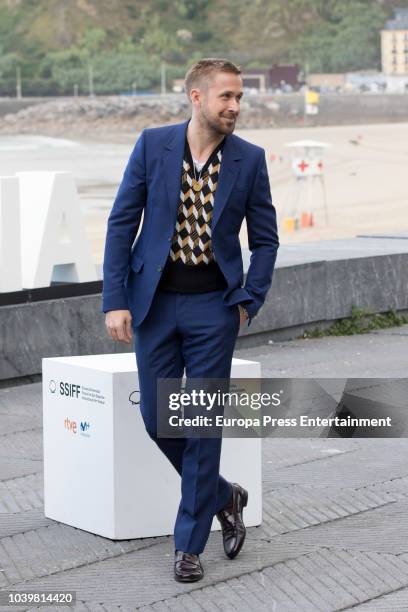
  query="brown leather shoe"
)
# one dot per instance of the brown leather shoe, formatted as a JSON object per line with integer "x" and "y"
{"x": 187, "y": 567}
{"x": 232, "y": 525}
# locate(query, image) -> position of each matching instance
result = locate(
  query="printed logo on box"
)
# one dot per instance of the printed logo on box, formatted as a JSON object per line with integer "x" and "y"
{"x": 75, "y": 391}
{"x": 72, "y": 426}
{"x": 134, "y": 397}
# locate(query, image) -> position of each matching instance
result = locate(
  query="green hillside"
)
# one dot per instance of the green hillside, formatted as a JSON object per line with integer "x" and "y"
{"x": 59, "y": 43}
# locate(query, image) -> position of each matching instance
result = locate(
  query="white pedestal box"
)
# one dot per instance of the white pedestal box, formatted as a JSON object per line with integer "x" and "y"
{"x": 102, "y": 471}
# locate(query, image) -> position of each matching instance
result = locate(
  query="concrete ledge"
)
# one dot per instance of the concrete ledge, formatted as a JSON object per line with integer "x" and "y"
{"x": 319, "y": 282}
{"x": 313, "y": 284}
{"x": 326, "y": 290}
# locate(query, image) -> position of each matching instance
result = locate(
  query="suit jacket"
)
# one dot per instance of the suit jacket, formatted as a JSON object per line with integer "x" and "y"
{"x": 151, "y": 185}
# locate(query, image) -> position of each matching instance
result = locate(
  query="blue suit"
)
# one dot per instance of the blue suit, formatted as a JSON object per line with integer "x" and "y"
{"x": 177, "y": 331}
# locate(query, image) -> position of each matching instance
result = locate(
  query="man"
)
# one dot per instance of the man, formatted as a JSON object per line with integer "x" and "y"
{"x": 181, "y": 286}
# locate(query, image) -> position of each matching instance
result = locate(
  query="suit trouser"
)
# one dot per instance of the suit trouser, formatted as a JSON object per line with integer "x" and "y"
{"x": 196, "y": 332}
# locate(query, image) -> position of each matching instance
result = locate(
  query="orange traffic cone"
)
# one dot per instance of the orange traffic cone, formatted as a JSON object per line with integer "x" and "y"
{"x": 305, "y": 220}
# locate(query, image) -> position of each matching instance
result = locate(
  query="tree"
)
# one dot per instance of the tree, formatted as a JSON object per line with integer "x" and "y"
{"x": 349, "y": 38}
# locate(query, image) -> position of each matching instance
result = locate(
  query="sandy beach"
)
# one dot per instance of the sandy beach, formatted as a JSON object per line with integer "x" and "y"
{"x": 365, "y": 177}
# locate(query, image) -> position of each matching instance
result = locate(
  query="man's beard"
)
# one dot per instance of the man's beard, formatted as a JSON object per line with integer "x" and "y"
{"x": 219, "y": 126}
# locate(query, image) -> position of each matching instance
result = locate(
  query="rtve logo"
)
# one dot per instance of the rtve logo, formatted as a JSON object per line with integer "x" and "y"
{"x": 72, "y": 426}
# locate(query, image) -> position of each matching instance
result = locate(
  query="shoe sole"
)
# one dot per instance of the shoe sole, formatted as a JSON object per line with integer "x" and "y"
{"x": 179, "y": 579}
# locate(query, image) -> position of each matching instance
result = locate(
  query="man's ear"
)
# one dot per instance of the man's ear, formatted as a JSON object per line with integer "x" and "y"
{"x": 195, "y": 94}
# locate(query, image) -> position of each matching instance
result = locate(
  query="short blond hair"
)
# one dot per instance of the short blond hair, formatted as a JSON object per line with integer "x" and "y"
{"x": 198, "y": 73}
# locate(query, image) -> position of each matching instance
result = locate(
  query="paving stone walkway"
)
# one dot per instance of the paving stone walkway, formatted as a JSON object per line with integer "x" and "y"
{"x": 335, "y": 513}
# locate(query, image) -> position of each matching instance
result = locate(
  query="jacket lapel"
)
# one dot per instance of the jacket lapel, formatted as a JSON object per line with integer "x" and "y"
{"x": 230, "y": 167}
{"x": 173, "y": 167}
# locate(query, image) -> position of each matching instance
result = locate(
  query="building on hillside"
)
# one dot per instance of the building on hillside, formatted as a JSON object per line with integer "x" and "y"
{"x": 285, "y": 77}
{"x": 372, "y": 81}
{"x": 284, "y": 74}
{"x": 254, "y": 80}
{"x": 394, "y": 44}
{"x": 178, "y": 85}
{"x": 327, "y": 82}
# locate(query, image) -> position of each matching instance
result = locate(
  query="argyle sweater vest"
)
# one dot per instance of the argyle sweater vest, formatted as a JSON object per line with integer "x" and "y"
{"x": 191, "y": 265}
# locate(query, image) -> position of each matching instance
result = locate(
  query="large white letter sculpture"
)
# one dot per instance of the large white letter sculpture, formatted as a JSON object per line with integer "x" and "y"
{"x": 10, "y": 254}
{"x": 54, "y": 244}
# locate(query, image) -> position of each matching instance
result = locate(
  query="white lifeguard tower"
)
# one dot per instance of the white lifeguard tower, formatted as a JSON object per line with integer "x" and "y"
{"x": 307, "y": 191}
